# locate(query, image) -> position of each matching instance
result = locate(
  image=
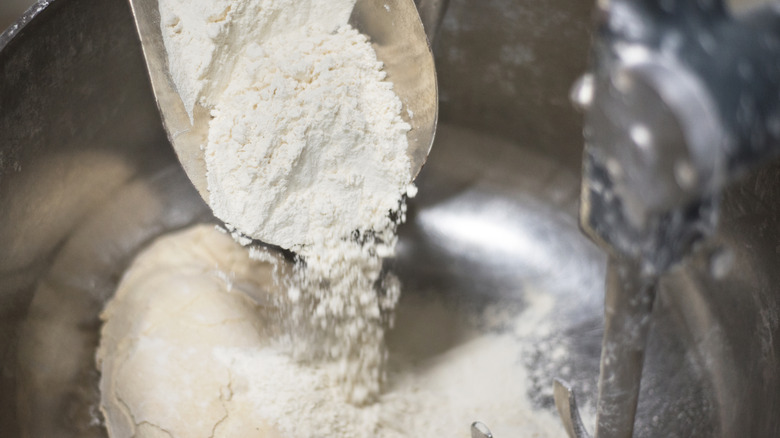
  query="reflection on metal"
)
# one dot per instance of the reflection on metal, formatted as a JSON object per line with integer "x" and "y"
{"x": 630, "y": 294}
{"x": 10, "y": 10}
{"x": 684, "y": 100}
{"x": 479, "y": 430}
{"x": 473, "y": 231}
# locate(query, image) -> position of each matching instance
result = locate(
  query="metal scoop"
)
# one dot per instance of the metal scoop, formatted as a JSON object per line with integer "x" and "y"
{"x": 397, "y": 35}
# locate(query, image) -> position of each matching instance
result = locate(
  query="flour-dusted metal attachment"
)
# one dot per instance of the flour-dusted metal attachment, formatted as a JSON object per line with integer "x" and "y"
{"x": 682, "y": 98}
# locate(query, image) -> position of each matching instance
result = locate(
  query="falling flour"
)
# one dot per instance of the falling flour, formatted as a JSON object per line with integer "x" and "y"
{"x": 307, "y": 150}
{"x": 189, "y": 349}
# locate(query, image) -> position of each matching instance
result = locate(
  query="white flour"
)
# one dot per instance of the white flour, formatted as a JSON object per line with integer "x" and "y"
{"x": 204, "y": 39}
{"x": 185, "y": 353}
{"x": 306, "y": 142}
{"x": 306, "y": 150}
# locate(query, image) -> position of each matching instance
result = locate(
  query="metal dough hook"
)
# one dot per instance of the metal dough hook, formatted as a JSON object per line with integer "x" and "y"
{"x": 630, "y": 294}
{"x": 678, "y": 104}
{"x": 479, "y": 430}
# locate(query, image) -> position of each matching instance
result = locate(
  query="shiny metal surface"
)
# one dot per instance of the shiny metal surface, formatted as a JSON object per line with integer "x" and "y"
{"x": 11, "y": 10}
{"x": 566, "y": 404}
{"x": 628, "y": 303}
{"x": 397, "y": 35}
{"x": 479, "y": 430}
{"x": 681, "y": 99}
{"x": 87, "y": 178}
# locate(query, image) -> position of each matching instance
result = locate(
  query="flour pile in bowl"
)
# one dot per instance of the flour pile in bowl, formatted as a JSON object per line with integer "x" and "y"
{"x": 188, "y": 351}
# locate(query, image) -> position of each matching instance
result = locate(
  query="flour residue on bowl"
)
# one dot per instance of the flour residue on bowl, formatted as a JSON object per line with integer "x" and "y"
{"x": 191, "y": 351}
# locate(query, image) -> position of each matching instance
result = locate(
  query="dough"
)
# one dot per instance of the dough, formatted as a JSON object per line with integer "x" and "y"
{"x": 174, "y": 311}
{"x": 188, "y": 351}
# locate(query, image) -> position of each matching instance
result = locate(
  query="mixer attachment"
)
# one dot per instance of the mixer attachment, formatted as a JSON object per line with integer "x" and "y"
{"x": 479, "y": 430}
{"x": 630, "y": 293}
{"x": 681, "y": 100}
{"x": 567, "y": 408}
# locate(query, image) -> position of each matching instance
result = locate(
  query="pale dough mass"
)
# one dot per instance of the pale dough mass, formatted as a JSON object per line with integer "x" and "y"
{"x": 172, "y": 316}
{"x": 187, "y": 352}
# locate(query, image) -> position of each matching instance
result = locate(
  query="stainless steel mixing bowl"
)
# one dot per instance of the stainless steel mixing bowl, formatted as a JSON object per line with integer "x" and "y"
{"x": 87, "y": 178}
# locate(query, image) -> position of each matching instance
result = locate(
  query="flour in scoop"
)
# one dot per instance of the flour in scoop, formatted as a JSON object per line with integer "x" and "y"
{"x": 306, "y": 143}
{"x": 307, "y": 150}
